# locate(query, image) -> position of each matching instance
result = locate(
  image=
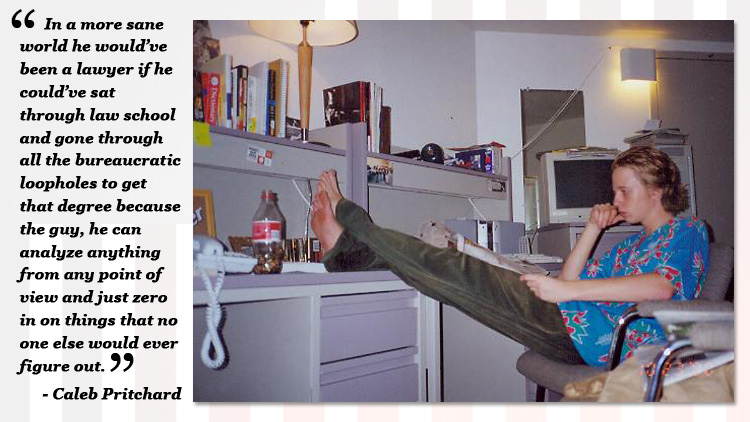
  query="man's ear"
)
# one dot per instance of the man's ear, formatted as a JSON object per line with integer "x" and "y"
{"x": 655, "y": 193}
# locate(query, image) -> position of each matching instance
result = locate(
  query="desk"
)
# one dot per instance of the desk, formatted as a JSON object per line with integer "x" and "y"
{"x": 313, "y": 337}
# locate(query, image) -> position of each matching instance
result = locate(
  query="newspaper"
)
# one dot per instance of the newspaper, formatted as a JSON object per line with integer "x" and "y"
{"x": 438, "y": 235}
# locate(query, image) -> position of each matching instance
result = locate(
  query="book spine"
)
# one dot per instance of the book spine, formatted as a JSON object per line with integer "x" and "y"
{"x": 271, "y": 116}
{"x": 211, "y": 93}
{"x": 242, "y": 98}
{"x": 371, "y": 112}
{"x": 375, "y": 116}
{"x": 228, "y": 87}
{"x": 282, "y": 109}
{"x": 235, "y": 92}
{"x": 364, "y": 93}
{"x": 251, "y": 104}
{"x": 385, "y": 129}
{"x": 198, "y": 97}
{"x": 221, "y": 109}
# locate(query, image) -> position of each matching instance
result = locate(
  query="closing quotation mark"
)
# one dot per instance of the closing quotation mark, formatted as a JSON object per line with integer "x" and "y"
{"x": 17, "y": 24}
{"x": 116, "y": 357}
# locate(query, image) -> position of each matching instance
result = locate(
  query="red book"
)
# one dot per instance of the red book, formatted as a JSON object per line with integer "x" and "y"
{"x": 211, "y": 83}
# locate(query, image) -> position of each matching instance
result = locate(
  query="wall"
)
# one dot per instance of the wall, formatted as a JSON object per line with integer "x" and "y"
{"x": 451, "y": 85}
{"x": 509, "y": 62}
{"x": 426, "y": 69}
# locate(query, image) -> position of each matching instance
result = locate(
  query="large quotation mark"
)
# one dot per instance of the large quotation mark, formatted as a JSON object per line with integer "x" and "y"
{"x": 17, "y": 24}
{"x": 116, "y": 357}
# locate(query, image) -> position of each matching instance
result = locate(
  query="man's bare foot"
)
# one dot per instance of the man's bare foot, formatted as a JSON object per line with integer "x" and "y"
{"x": 330, "y": 186}
{"x": 324, "y": 223}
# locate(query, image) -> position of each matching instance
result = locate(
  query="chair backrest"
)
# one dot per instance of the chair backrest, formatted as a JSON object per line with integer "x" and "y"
{"x": 720, "y": 272}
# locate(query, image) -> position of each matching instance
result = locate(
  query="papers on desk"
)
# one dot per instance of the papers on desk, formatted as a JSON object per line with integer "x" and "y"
{"x": 244, "y": 264}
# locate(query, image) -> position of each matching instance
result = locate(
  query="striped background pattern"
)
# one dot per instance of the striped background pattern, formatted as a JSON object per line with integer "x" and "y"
{"x": 169, "y": 368}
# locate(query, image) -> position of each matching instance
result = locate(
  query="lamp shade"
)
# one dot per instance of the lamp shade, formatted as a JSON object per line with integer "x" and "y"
{"x": 638, "y": 64}
{"x": 319, "y": 33}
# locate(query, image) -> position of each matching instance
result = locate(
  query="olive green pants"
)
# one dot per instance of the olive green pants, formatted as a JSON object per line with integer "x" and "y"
{"x": 493, "y": 296}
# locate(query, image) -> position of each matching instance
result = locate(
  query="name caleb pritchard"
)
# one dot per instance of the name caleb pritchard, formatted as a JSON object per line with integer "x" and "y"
{"x": 90, "y": 393}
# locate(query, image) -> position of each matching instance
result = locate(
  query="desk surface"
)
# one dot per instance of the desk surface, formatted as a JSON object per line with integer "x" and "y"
{"x": 250, "y": 287}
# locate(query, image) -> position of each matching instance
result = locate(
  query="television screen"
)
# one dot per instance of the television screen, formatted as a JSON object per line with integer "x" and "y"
{"x": 583, "y": 183}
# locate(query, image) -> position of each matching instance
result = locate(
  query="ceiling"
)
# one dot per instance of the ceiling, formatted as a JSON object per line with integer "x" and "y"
{"x": 718, "y": 31}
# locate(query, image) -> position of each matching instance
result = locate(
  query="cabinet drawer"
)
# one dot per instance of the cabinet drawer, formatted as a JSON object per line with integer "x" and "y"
{"x": 394, "y": 385}
{"x": 357, "y": 325}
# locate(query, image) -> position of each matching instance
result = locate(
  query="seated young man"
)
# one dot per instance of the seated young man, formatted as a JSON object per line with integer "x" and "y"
{"x": 569, "y": 318}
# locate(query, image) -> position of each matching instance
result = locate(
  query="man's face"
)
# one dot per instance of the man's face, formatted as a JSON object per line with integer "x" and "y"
{"x": 633, "y": 199}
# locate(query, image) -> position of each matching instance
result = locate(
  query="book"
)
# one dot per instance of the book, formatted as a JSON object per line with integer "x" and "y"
{"x": 223, "y": 66}
{"x": 271, "y": 103}
{"x": 279, "y": 71}
{"x": 376, "y": 102}
{"x": 349, "y": 103}
{"x": 210, "y": 93}
{"x": 251, "y": 112}
{"x": 233, "y": 99}
{"x": 240, "y": 97}
{"x": 344, "y": 103}
{"x": 385, "y": 130}
{"x": 357, "y": 102}
{"x": 281, "y": 118}
{"x": 657, "y": 137}
{"x": 259, "y": 72}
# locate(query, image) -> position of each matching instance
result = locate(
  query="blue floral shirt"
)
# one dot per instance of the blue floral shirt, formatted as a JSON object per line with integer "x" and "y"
{"x": 677, "y": 250}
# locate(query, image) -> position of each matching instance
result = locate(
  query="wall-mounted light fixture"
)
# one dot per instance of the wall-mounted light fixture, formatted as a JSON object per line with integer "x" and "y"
{"x": 638, "y": 64}
{"x": 307, "y": 34}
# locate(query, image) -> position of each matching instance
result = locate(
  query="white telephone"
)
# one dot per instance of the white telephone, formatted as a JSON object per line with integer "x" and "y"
{"x": 207, "y": 245}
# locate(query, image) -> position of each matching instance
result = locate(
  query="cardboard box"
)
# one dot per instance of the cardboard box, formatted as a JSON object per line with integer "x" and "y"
{"x": 487, "y": 159}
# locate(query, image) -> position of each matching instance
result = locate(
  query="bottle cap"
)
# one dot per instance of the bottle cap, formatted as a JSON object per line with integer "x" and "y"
{"x": 268, "y": 194}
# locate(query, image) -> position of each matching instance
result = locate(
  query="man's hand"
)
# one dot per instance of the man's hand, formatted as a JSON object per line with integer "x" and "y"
{"x": 604, "y": 215}
{"x": 547, "y": 288}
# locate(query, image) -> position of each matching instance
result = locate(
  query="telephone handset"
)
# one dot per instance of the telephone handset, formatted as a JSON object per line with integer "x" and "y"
{"x": 210, "y": 246}
{"x": 207, "y": 245}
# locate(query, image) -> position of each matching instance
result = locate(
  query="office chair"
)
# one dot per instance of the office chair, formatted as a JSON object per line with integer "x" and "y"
{"x": 552, "y": 375}
{"x": 690, "y": 333}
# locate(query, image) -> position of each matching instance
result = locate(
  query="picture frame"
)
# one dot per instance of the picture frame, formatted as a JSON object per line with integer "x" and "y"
{"x": 204, "y": 221}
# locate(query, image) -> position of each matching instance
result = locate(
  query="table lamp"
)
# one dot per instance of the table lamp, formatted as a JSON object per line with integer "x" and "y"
{"x": 308, "y": 34}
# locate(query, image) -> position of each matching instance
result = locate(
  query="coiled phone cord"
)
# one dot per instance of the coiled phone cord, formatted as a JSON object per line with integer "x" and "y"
{"x": 214, "y": 316}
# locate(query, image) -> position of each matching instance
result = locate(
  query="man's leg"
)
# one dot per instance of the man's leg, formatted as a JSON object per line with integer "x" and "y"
{"x": 491, "y": 295}
{"x": 341, "y": 251}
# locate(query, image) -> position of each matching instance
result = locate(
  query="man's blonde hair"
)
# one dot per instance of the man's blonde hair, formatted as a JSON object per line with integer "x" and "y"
{"x": 656, "y": 170}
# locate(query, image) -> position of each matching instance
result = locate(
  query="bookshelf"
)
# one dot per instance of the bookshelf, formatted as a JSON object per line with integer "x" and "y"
{"x": 281, "y": 328}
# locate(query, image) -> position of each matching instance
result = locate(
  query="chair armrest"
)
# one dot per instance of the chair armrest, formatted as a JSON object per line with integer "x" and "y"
{"x": 648, "y": 309}
{"x": 711, "y": 336}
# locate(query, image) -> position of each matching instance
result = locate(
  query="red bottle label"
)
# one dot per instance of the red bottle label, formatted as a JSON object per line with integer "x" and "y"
{"x": 266, "y": 231}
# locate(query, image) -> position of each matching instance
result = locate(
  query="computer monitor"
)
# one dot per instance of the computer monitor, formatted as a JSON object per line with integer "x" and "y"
{"x": 572, "y": 183}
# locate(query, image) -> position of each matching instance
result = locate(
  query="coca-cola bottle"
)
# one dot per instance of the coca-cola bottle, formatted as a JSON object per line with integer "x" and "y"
{"x": 268, "y": 235}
